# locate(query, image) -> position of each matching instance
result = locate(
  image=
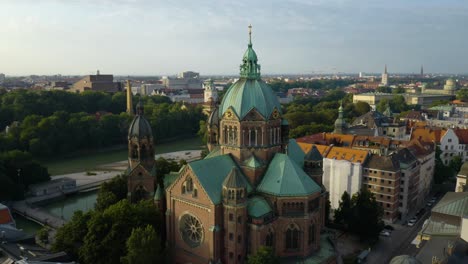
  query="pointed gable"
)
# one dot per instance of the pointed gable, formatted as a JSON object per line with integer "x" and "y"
{"x": 295, "y": 152}
{"x": 313, "y": 154}
{"x": 211, "y": 174}
{"x": 285, "y": 178}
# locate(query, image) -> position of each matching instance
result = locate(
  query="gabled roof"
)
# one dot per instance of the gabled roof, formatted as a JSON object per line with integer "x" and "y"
{"x": 211, "y": 174}
{"x": 386, "y": 163}
{"x": 349, "y": 154}
{"x": 462, "y": 135}
{"x": 428, "y": 134}
{"x": 453, "y": 203}
{"x": 257, "y": 207}
{"x": 284, "y": 177}
{"x": 295, "y": 152}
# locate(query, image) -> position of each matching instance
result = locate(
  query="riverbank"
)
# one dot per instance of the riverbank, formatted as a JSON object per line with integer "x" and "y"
{"x": 92, "y": 161}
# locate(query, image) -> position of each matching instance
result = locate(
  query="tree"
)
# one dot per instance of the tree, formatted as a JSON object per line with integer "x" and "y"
{"x": 462, "y": 94}
{"x": 69, "y": 238}
{"x": 455, "y": 164}
{"x": 366, "y": 220}
{"x": 344, "y": 211}
{"x": 143, "y": 247}
{"x": 108, "y": 230}
{"x": 43, "y": 234}
{"x": 264, "y": 255}
{"x": 361, "y": 214}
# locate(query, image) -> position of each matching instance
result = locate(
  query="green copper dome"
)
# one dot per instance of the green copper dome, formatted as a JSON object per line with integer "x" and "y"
{"x": 250, "y": 91}
{"x": 246, "y": 94}
{"x": 140, "y": 127}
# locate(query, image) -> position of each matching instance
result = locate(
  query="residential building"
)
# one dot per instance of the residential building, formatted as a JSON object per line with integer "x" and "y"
{"x": 381, "y": 176}
{"x": 443, "y": 237}
{"x": 372, "y": 98}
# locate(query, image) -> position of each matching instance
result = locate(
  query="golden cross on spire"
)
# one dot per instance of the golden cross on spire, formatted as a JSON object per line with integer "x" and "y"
{"x": 250, "y": 34}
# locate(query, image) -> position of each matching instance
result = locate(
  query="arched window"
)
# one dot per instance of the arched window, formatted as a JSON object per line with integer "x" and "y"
{"x": 189, "y": 184}
{"x": 252, "y": 137}
{"x": 311, "y": 234}
{"x": 134, "y": 152}
{"x": 143, "y": 152}
{"x": 270, "y": 238}
{"x": 292, "y": 238}
{"x": 195, "y": 193}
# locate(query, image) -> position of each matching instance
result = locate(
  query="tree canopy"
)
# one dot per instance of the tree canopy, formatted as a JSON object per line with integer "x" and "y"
{"x": 104, "y": 236}
{"x": 361, "y": 215}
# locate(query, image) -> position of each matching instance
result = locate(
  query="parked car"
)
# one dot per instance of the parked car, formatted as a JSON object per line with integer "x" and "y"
{"x": 388, "y": 228}
{"x": 429, "y": 204}
{"x": 385, "y": 233}
{"x": 433, "y": 200}
{"x": 412, "y": 221}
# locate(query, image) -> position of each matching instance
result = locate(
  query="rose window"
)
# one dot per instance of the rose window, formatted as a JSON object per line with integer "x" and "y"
{"x": 191, "y": 230}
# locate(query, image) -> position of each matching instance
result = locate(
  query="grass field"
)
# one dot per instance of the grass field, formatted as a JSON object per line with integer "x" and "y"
{"x": 90, "y": 161}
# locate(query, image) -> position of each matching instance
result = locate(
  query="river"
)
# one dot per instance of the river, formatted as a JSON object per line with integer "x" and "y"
{"x": 85, "y": 201}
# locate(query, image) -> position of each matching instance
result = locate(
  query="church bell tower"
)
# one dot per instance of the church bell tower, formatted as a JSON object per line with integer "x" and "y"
{"x": 141, "y": 165}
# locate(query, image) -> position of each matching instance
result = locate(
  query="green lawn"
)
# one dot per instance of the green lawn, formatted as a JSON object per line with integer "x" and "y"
{"x": 90, "y": 161}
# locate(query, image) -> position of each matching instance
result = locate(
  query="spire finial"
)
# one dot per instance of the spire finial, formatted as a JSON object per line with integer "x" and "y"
{"x": 250, "y": 35}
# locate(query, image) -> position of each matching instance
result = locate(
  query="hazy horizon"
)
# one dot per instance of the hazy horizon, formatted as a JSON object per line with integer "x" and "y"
{"x": 142, "y": 37}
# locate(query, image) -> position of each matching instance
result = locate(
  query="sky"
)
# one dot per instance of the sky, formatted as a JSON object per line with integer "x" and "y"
{"x": 156, "y": 37}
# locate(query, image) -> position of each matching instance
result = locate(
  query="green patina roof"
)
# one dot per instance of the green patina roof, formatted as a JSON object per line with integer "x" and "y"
{"x": 453, "y": 203}
{"x": 253, "y": 162}
{"x": 170, "y": 178}
{"x": 442, "y": 108}
{"x": 296, "y": 153}
{"x": 284, "y": 177}
{"x": 284, "y": 122}
{"x": 158, "y": 195}
{"x": 211, "y": 174}
{"x": 257, "y": 207}
{"x": 247, "y": 94}
{"x": 215, "y": 152}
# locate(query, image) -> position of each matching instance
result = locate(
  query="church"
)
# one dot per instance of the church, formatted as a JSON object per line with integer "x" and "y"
{"x": 255, "y": 188}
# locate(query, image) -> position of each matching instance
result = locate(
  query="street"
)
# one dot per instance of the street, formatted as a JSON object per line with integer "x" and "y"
{"x": 399, "y": 243}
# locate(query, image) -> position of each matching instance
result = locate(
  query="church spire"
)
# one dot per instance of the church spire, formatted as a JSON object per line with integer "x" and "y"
{"x": 250, "y": 35}
{"x": 250, "y": 69}
{"x": 385, "y": 69}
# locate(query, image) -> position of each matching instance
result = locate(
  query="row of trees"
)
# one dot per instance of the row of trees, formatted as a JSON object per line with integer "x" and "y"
{"x": 314, "y": 115}
{"x": 56, "y": 122}
{"x": 323, "y": 84}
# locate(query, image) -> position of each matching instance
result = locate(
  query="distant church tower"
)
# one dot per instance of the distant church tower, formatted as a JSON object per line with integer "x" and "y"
{"x": 340, "y": 123}
{"x": 422, "y": 71}
{"x": 141, "y": 170}
{"x": 129, "y": 98}
{"x": 210, "y": 97}
{"x": 385, "y": 77}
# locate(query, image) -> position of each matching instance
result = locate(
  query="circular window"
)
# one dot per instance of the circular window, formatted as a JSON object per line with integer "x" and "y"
{"x": 191, "y": 230}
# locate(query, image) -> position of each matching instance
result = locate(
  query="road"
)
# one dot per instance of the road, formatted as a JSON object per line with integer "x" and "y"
{"x": 399, "y": 243}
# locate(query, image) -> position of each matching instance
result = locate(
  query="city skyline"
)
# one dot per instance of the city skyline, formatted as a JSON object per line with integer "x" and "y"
{"x": 140, "y": 37}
